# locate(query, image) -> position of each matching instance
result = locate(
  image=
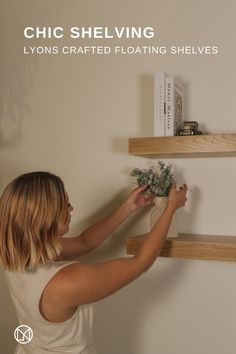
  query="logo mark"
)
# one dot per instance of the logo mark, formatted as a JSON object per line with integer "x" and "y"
{"x": 23, "y": 334}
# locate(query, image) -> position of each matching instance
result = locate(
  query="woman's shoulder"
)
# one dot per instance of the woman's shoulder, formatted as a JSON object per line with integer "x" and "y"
{"x": 53, "y": 305}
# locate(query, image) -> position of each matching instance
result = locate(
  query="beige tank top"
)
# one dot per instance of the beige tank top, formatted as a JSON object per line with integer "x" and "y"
{"x": 72, "y": 336}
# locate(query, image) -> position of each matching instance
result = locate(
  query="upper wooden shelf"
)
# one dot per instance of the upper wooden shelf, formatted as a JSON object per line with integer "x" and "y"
{"x": 206, "y": 247}
{"x": 195, "y": 145}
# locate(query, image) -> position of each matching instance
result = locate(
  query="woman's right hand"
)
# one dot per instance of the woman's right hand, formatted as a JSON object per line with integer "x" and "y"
{"x": 177, "y": 198}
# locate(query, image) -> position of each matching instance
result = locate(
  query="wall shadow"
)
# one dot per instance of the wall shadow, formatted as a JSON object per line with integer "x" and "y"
{"x": 119, "y": 319}
{"x": 18, "y": 71}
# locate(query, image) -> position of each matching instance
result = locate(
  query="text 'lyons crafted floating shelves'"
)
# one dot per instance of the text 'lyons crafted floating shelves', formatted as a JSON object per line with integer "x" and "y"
{"x": 195, "y": 145}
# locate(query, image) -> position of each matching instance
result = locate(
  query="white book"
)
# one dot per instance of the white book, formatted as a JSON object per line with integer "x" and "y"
{"x": 159, "y": 103}
{"x": 174, "y": 106}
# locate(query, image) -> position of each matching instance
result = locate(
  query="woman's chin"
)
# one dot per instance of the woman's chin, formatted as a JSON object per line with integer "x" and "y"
{"x": 64, "y": 231}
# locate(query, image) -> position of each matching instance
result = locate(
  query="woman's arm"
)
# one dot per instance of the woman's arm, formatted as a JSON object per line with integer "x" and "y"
{"x": 152, "y": 246}
{"x": 96, "y": 234}
{"x": 92, "y": 237}
{"x": 86, "y": 283}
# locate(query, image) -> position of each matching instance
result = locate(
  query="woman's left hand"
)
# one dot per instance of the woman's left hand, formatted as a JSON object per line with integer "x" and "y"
{"x": 139, "y": 199}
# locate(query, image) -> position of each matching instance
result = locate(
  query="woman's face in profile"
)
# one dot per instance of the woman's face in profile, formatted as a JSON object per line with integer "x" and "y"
{"x": 66, "y": 227}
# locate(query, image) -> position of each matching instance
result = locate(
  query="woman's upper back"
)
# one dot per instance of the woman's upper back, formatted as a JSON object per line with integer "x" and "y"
{"x": 72, "y": 335}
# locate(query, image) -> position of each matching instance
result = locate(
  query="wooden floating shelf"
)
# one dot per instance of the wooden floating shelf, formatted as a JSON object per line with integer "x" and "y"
{"x": 189, "y": 246}
{"x": 207, "y": 247}
{"x": 195, "y": 145}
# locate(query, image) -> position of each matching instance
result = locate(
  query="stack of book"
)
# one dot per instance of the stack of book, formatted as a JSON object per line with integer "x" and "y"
{"x": 168, "y": 105}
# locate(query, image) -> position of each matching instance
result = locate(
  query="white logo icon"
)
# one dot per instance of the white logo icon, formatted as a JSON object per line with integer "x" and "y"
{"x": 23, "y": 334}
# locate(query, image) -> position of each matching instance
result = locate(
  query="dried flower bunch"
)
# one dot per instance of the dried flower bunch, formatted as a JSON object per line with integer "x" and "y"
{"x": 158, "y": 178}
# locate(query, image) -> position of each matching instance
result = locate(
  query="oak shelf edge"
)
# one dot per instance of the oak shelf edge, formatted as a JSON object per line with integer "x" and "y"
{"x": 196, "y": 145}
{"x": 191, "y": 246}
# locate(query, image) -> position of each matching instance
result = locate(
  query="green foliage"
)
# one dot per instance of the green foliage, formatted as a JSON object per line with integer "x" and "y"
{"x": 158, "y": 178}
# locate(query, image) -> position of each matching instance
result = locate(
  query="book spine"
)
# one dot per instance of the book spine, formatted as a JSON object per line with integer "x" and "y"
{"x": 169, "y": 122}
{"x": 178, "y": 106}
{"x": 159, "y": 104}
{"x": 174, "y": 104}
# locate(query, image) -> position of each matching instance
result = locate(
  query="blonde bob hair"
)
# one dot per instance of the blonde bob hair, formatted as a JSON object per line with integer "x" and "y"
{"x": 33, "y": 208}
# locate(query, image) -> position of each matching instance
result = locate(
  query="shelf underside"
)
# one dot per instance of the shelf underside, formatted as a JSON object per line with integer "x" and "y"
{"x": 189, "y": 246}
{"x": 196, "y": 145}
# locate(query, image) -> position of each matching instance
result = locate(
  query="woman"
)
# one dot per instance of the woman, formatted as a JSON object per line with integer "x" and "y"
{"x": 52, "y": 292}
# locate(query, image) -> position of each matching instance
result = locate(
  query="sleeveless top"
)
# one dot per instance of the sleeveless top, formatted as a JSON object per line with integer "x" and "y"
{"x": 73, "y": 336}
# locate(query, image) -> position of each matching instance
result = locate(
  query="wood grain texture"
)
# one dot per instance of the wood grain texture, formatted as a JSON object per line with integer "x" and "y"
{"x": 207, "y": 247}
{"x": 215, "y": 144}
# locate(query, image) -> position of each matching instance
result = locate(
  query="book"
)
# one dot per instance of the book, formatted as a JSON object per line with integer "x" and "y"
{"x": 174, "y": 106}
{"x": 160, "y": 103}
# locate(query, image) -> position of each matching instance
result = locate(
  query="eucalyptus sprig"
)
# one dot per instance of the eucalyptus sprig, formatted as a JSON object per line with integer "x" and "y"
{"x": 158, "y": 178}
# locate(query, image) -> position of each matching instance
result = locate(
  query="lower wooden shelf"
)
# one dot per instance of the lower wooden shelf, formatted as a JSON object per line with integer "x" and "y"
{"x": 190, "y": 246}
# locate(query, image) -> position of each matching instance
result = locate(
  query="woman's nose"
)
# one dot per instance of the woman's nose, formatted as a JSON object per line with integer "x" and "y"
{"x": 71, "y": 208}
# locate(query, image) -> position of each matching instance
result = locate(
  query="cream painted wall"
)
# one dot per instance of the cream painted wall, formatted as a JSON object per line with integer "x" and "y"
{"x": 73, "y": 116}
